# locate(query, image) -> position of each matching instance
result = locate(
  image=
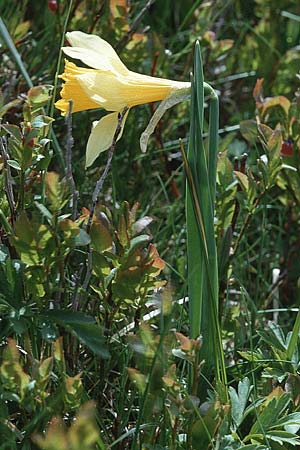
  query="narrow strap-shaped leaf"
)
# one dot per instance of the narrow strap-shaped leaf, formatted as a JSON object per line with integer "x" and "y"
{"x": 200, "y": 167}
{"x": 203, "y": 291}
{"x": 14, "y": 52}
{"x": 199, "y": 83}
{"x": 194, "y": 245}
{"x": 213, "y": 143}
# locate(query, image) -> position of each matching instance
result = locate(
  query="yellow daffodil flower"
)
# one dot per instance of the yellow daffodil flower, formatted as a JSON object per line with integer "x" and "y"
{"x": 109, "y": 85}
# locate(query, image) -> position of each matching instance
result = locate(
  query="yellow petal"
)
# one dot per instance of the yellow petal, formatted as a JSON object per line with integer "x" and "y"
{"x": 146, "y": 80}
{"x": 94, "y": 52}
{"x": 116, "y": 92}
{"x": 105, "y": 89}
{"x": 102, "y": 136}
{"x": 72, "y": 90}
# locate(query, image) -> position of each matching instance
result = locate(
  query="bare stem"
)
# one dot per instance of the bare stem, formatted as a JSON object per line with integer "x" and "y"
{"x": 101, "y": 180}
{"x": 69, "y": 146}
{"x": 96, "y": 193}
{"x": 122, "y": 43}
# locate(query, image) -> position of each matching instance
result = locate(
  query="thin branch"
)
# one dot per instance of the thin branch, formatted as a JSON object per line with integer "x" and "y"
{"x": 101, "y": 180}
{"x": 122, "y": 43}
{"x": 69, "y": 175}
{"x": 97, "y": 16}
{"x": 77, "y": 278}
{"x": 96, "y": 193}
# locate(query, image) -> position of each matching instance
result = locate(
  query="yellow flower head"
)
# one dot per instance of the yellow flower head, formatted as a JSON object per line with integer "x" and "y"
{"x": 109, "y": 85}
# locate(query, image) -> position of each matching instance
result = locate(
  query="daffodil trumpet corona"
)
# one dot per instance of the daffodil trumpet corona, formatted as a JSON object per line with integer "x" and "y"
{"x": 108, "y": 84}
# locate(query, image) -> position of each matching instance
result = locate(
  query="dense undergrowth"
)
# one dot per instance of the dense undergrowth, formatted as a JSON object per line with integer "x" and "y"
{"x": 94, "y": 314}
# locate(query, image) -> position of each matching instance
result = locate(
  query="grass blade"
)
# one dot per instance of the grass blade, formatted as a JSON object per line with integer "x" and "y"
{"x": 14, "y": 52}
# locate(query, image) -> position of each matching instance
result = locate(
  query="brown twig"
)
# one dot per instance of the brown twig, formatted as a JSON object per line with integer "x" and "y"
{"x": 122, "y": 43}
{"x": 97, "y": 16}
{"x": 69, "y": 175}
{"x": 77, "y": 278}
{"x": 96, "y": 193}
{"x": 101, "y": 180}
